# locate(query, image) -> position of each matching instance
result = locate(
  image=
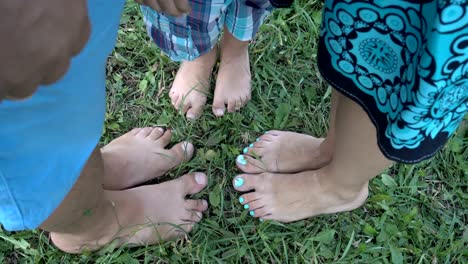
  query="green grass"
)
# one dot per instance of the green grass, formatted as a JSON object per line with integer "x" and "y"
{"x": 418, "y": 215}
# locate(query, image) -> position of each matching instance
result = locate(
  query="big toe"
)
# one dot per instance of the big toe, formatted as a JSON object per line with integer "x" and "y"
{"x": 247, "y": 182}
{"x": 184, "y": 151}
{"x": 193, "y": 183}
{"x": 219, "y": 107}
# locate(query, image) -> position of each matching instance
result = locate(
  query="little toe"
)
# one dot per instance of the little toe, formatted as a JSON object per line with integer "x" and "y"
{"x": 196, "y": 205}
{"x": 184, "y": 151}
{"x": 267, "y": 137}
{"x": 247, "y": 98}
{"x": 194, "y": 182}
{"x": 246, "y": 182}
{"x": 273, "y": 132}
{"x": 156, "y": 133}
{"x": 249, "y": 164}
{"x": 144, "y": 132}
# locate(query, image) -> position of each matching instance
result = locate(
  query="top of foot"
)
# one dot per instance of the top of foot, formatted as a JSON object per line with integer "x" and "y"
{"x": 233, "y": 88}
{"x": 285, "y": 152}
{"x": 191, "y": 85}
{"x": 141, "y": 155}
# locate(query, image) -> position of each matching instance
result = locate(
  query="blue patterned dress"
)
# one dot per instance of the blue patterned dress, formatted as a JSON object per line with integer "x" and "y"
{"x": 405, "y": 63}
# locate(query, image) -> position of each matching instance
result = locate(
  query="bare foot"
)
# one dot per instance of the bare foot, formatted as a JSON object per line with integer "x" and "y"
{"x": 285, "y": 152}
{"x": 292, "y": 197}
{"x": 142, "y": 216}
{"x": 233, "y": 81}
{"x": 192, "y": 83}
{"x": 141, "y": 155}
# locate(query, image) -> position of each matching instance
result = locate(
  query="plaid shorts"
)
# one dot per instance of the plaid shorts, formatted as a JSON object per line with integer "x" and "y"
{"x": 188, "y": 37}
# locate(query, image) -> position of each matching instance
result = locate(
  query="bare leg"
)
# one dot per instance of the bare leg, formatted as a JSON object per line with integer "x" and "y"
{"x": 340, "y": 186}
{"x": 289, "y": 152}
{"x": 233, "y": 81}
{"x": 90, "y": 217}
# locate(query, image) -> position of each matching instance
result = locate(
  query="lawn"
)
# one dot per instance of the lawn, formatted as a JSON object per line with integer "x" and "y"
{"x": 414, "y": 214}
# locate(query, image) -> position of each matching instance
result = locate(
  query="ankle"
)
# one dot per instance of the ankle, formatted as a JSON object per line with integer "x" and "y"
{"x": 326, "y": 149}
{"x": 92, "y": 233}
{"x": 206, "y": 60}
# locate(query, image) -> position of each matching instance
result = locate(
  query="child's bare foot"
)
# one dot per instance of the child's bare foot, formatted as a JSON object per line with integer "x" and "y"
{"x": 292, "y": 197}
{"x": 285, "y": 152}
{"x": 233, "y": 81}
{"x": 142, "y": 216}
{"x": 192, "y": 83}
{"x": 141, "y": 155}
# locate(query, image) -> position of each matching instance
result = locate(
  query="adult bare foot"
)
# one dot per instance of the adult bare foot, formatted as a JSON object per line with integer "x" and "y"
{"x": 141, "y": 216}
{"x": 192, "y": 83}
{"x": 141, "y": 155}
{"x": 291, "y": 197}
{"x": 285, "y": 152}
{"x": 233, "y": 81}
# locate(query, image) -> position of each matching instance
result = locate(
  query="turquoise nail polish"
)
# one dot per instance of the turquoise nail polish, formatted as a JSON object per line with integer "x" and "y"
{"x": 241, "y": 199}
{"x": 246, "y": 206}
{"x": 261, "y": 219}
{"x": 252, "y": 213}
{"x": 238, "y": 182}
{"x": 246, "y": 150}
{"x": 258, "y": 139}
{"x": 267, "y": 132}
{"x": 251, "y": 145}
{"x": 241, "y": 160}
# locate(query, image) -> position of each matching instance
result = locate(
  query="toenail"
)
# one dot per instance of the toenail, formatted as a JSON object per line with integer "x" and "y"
{"x": 219, "y": 112}
{"x": 160, "y": 129}
{"x": 251, "y": 145}
{"x": 246, "y": 150}
{"x": 186, "y": 146}
{"x": 258, "y": 139}
{"x": 199, "y": 215}
{"x": 241, "y": 160}
{"x": 204, "y": 202}
{"x": 238, "y": 182}
{"x": 191, "y": 116}
{"x": 200, "y": 178}
{"x": 246, "y": 206}
{"x": 267, "y": 132}
{"x": 261, "y": 219}
{"x": 241, "y": 199}
{"x": 251, "y": 213}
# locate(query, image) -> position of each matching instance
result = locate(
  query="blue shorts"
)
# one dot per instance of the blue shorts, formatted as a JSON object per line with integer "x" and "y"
{"x": 46, "y": 140}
